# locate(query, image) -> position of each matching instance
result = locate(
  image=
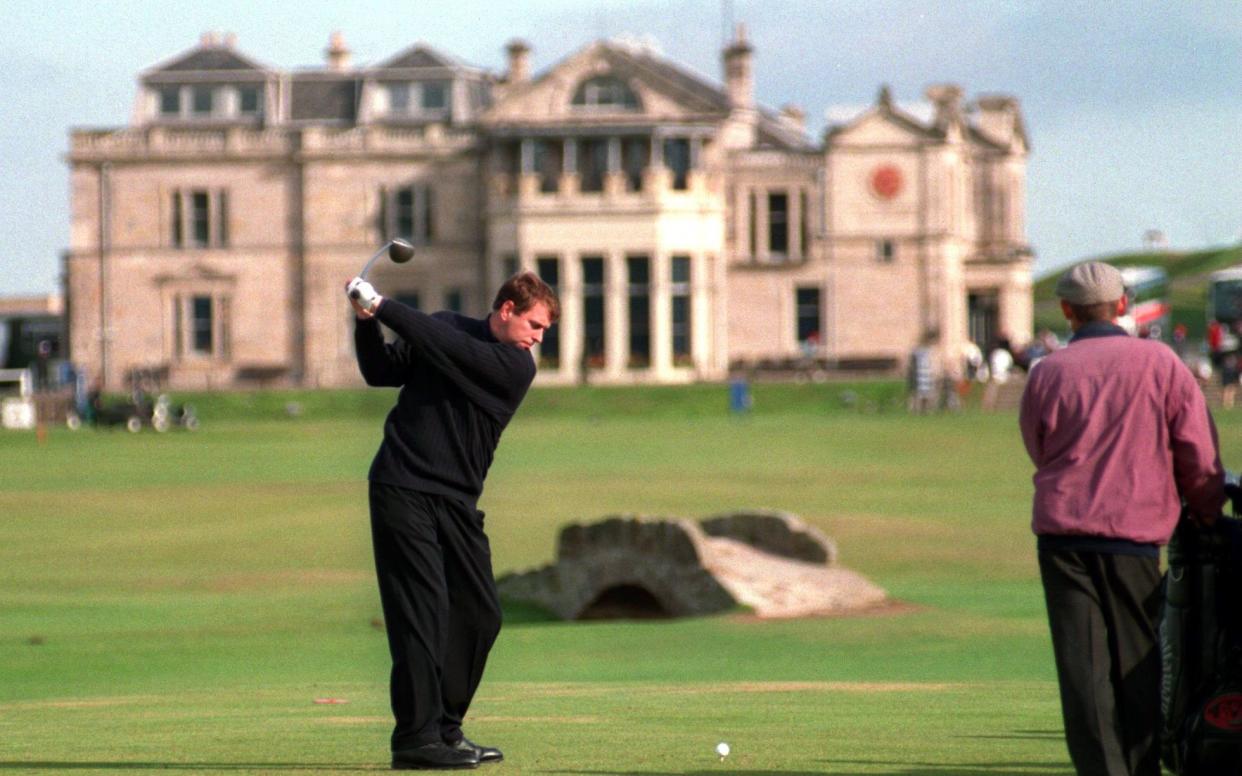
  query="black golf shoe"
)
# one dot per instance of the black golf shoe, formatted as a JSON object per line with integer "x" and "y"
{"x": 433, "y": 757}
{"x": 486, "y": 754}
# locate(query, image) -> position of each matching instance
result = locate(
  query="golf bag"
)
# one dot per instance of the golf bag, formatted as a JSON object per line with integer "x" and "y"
{"x": 1201, "y": 649}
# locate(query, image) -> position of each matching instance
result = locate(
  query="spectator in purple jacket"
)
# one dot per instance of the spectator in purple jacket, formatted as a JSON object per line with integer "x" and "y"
{"x": 1120, "y": 435}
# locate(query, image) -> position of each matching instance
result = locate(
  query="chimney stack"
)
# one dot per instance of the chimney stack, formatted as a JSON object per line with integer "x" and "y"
{"x": 885, "y": 97}
{"x": 948, "y": 101}
{"x": 337, "y": 53}
{"x": 998, "y": 117}
{"x": 738, "y": 80}
{"x": 519, "y": 62}
{"x": 794, "y": 117}
{"x": 209, "y": 39}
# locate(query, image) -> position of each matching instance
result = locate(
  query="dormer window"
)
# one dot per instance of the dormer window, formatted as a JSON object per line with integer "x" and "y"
{"x": 208, "y": 102}
{"x": 170, "y": 101}
{"x": 435, "y": 97}
{"x": 605, "y": 92}
{"x": 416, "y": 100}
{"x": 399, "y": 98}
{"x": 248, "y": 100}
{"x": 201, "y": 100}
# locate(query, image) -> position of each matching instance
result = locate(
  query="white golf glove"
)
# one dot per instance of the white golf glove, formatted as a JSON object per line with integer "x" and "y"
{"x": 363, "y": 294}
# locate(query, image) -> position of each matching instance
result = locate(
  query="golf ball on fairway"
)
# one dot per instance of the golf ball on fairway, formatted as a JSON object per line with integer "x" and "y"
{"x": 722, "y": 749}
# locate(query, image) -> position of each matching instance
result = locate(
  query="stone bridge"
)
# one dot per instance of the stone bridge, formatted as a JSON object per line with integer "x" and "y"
{"x": 633, "y": 566}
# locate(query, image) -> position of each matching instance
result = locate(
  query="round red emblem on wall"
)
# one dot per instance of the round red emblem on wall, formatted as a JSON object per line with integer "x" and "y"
{"x": 886, "y": 181}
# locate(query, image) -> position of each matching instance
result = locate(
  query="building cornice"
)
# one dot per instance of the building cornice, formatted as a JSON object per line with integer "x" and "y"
{"x": 240, "y": 143}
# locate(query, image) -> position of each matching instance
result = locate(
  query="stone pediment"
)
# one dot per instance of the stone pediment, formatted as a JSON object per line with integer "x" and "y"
{"x": 662, "y": 90}
{"x": 195, "y": 273}
{"x": 881, "y": 127}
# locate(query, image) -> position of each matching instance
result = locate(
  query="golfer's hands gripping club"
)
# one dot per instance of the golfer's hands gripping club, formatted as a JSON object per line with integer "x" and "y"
{"x": 363, "y": 296}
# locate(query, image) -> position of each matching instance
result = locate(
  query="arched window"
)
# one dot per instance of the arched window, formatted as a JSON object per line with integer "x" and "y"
{"x": 605, "y": 92}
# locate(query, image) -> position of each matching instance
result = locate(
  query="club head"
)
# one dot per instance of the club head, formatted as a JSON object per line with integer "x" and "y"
{"x": 400, "y": 251}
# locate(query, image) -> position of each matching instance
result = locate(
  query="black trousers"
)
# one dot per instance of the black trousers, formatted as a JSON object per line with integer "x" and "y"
{"x": 1103, "y": 610}
{"x": 440, "y": 607}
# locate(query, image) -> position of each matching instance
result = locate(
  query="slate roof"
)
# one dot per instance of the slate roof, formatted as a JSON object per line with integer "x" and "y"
{"x": 419, "y": 56}
{"x": 208, "y": 58}
{"x": 771, "y": 134}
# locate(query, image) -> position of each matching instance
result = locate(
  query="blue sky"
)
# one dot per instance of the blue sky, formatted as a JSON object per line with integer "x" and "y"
{"x": 1134, "y": 109}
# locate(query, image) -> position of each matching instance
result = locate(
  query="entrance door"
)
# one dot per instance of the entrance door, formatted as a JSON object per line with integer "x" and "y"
{"x": 984, "y": 316}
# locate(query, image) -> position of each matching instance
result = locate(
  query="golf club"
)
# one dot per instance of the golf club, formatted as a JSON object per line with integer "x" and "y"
{"x": 399, "y": 251}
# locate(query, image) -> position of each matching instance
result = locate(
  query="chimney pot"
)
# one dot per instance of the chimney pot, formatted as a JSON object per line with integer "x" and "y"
{"x": 885, "y": 98}
{"x": 999, "y": 118}
{"x": 948, "y": 101}
{"x": 337, "y": 53}
{"x": 738, "y": 79}
{"x": 794, "y": 116}
{"x": 519, "y": 61}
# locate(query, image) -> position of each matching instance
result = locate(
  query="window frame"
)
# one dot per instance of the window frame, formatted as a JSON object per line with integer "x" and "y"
{"x": 408, "y": 212}
{"x": 606, "y": 93}
{"x": 675, "y": 149}
{"x": 639, "y": 310}
{"x": 409, "y": 99}
{"x": 198, "y": 91}
{"x": 548, "y": 268}
{"x": 199, "y": 218}
{"x": 163, "y": 93}
{"x": 800, "y": 317}
{"x": 250, "y": 89}
{"x": 594, "y": 293}
{"x": 681, "y": 296}
{"x": 778, "y": 228}
{"x": 199, "y": 338}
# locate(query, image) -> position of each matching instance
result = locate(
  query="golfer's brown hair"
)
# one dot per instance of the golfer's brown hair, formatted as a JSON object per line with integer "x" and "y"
{"x": 525, "y": 289}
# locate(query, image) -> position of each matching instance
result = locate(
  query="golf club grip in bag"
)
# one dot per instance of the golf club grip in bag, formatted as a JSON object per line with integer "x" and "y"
{"x": 1201, "y": 649}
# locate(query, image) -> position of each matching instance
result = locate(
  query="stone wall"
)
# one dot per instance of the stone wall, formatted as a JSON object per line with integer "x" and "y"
{"x": 776, "y": 533}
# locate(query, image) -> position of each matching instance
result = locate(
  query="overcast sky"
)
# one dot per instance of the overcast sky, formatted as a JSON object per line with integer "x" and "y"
{"x": 1134, "y": 109}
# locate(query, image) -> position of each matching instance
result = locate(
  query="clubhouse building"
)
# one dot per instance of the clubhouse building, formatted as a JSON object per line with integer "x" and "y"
{"x": 689, "y": 230}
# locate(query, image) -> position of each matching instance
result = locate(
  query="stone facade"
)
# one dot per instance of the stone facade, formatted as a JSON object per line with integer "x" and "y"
{"x": 688, "y": 229}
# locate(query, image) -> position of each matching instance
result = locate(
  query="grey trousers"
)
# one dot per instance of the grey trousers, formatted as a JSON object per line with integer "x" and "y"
{"x": 1103, "y": 611}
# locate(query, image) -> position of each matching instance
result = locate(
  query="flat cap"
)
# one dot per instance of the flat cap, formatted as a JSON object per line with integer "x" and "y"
{"x": 1091, "y": 282}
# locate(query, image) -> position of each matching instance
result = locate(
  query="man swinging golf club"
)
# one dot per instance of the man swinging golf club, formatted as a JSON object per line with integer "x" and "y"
{"x": 461, "y": 381}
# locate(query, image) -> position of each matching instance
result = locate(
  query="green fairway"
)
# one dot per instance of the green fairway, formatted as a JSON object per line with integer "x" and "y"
{"x": 178, "y": 602}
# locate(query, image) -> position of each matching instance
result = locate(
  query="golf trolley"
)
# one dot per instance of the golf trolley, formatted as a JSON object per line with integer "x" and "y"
{"x": 1201, "y": 647}
{"x": 135, "y": 414}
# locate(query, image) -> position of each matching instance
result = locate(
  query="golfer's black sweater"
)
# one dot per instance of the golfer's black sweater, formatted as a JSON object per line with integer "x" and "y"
{"x": 459, "y": 388}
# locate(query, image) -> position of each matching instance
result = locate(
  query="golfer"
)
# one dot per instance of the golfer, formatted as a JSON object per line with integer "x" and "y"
{"x": 1120, "y": 434}
{"x": 461, "y": 381}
